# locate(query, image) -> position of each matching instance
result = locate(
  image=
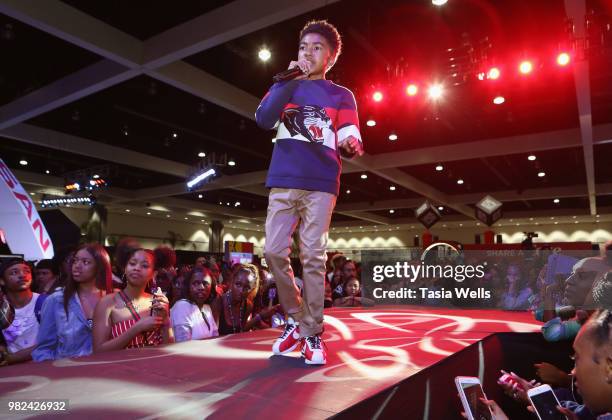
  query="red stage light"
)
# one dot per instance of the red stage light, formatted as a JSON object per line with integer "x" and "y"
{"x": 412, "y": 89}
{"x": 378, "y": 96}
{"x": 493, "y": 73}
{"x": 563, "y": 59}
{"x": 525, "y": 67}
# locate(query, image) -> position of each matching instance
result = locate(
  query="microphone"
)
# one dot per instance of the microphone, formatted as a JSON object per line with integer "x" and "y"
{"x": 287, "y": 75}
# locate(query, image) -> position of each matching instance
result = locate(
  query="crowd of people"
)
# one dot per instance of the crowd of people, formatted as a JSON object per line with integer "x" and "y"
{"x": 82, "y": 302}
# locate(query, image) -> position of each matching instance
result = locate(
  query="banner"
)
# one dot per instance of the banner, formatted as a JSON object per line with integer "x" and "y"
{"x": 22, "y": 226}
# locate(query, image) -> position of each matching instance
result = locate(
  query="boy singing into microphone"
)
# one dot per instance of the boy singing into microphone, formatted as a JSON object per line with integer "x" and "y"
{"x": 317, "y": 123}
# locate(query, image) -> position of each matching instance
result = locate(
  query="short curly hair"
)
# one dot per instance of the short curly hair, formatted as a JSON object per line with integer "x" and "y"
{"x": 327, "y": 31}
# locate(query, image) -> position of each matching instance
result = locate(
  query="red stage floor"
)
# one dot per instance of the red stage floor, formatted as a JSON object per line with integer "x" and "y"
{"x": 236, "y": 376}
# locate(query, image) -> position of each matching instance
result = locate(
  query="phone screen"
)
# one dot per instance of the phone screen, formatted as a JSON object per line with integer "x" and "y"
{"x": 546, "y": 406}
{"x": 473, "y": 394}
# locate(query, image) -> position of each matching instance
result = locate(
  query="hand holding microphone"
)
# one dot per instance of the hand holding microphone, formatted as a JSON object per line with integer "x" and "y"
{"x": 298, "y": 70}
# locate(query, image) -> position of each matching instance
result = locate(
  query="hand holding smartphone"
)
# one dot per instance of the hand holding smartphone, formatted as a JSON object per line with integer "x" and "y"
{"x": 545, "y": 403}
{"x": 471, "y": 394}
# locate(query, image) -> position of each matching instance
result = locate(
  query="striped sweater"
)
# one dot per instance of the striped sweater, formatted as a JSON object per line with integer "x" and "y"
{"x": 312, "y": 117}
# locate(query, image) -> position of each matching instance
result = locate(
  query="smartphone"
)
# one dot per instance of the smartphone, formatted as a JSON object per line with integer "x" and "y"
{"x": 470, "y": 392}
{"x": 545, "y": 403}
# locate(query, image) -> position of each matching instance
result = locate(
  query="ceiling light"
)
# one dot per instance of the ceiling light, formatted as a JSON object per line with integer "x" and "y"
{"x": 392, "y": 187}
{"x": 201, "y": 154}
{"x": 563, "y": 59}
{"x": 439, "y": 2}
{"x": 541, "y": 174}
{"x": 167, "y": 215}
{"x": 498, "y": 100}
{"x": 264, "y": 54}
{"x": 377, "y": 96}
{"x": 439, "y": 168}
{"x": 47, "y": 172}
{"x": 531, "y": 157}
{"x": 174, "y": 135}
{"x": 200, "y": 196}
{"x": 493, "y": 73}
{"x": 127, "y": 210}
{"x": 392, "y": 136}
{"x": 525, "y": 67}
{"x": 148, "y": 213}
{"x": 348, "y": 191}
{"x": 237, "y": 203}
{"x": 231, "y": 162}
{"x": 186, "y": 218}
{"x": 391, "y": 211}
{"x": 412, "y": 89}
{"x": 364, "y": 176}
{"x": 556, "y": 201}
{"x": 371, "y": 123}
{"x": 435, "y": 91}
{"x": 273, "y": 139}
{"x": 23, "y": 162}
{"x": 460, "y": 181}
{"x": 440, "y": 208}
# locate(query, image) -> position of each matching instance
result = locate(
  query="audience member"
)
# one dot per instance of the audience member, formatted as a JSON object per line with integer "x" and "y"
{"x": 131, "y": 317}
{"x": 20, "y": 336}
{"x": 517, "y": 293}
{"x": 46, "y": 277}
{"x": 67, "y": 315}
{"x": 192, "y": 317}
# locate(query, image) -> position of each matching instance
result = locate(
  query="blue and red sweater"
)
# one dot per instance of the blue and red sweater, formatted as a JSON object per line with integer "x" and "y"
{"x": 313, "y": 117}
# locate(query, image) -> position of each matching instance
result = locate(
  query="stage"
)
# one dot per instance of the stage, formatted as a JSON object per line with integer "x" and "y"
{"x": 373, "y": 354}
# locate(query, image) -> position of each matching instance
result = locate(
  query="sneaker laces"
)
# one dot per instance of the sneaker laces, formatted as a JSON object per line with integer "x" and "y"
{"x": 314, "y": 341}
{"x": 288, "y": 330}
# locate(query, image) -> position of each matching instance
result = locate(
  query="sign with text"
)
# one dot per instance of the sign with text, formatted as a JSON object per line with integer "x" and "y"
{"x": 23, "y": 229}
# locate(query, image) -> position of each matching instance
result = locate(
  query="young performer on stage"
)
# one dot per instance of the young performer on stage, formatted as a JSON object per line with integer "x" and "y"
{"x": 317, "y": 122}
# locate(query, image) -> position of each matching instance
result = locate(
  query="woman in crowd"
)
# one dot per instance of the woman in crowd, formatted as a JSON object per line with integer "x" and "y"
{"x": 67, "y": 315}
{"x": 517, "y": 293}
{"x": 352, "y": 295}
{"x": 192, "y": 317}
{"x": 234, "y": 311}
{"x": 131, "y": 317}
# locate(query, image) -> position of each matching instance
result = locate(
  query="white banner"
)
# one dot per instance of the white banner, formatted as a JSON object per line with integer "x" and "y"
{"x": 22, "y": 226}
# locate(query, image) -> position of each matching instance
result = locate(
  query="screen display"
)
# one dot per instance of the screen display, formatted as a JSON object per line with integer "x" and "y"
{"x": 473, "y": 394}
{"x": 546, "y": 406}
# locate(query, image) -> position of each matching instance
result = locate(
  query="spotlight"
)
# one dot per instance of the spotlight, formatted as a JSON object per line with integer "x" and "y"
{"x": 371, "y": 123}
{"x": 364, "y": 176}
{"x": 531, "y": 157}
{"x": 556, "y": 201}
{"x": 392, "y": 187}
{"x": 199, "y": 178}
{"x": 439, "y": 2}
{"x": 348, "y": 191}
{"x": 201, "y": 154}
{"x": 264, "y": 54}
{"x": 525, "y": 67}
{"x": 200, "y": 196}
{"x": 231, "y": 162}
{"x": 460, "y": 181}
{"x": 498, "y": 100}
{"x": 412, "y": 89}
{"x": 541, "y": 174}
{"x": 493, "y": 73}
{"x": 47, "y": 172}
{"x": 174, "y": 135}
{"x": 377, "y": 96}
{"x": 439, "y": 168}
{"x": 392, "y": 136}
{"x": 440, "y": 208}
{"x": 391, "y": 211}
{"x": 563, "y": 59}
{"x": 23, "y": 162}
{"x": 435, "y": 91}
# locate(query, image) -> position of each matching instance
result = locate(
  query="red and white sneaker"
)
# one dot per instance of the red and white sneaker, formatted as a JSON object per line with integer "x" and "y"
{"x": 289, "y": 339}
{"x": 313, "y": 350}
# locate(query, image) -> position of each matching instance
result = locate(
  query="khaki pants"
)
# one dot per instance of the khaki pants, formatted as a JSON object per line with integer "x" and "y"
{"x": 313, "y": 210}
